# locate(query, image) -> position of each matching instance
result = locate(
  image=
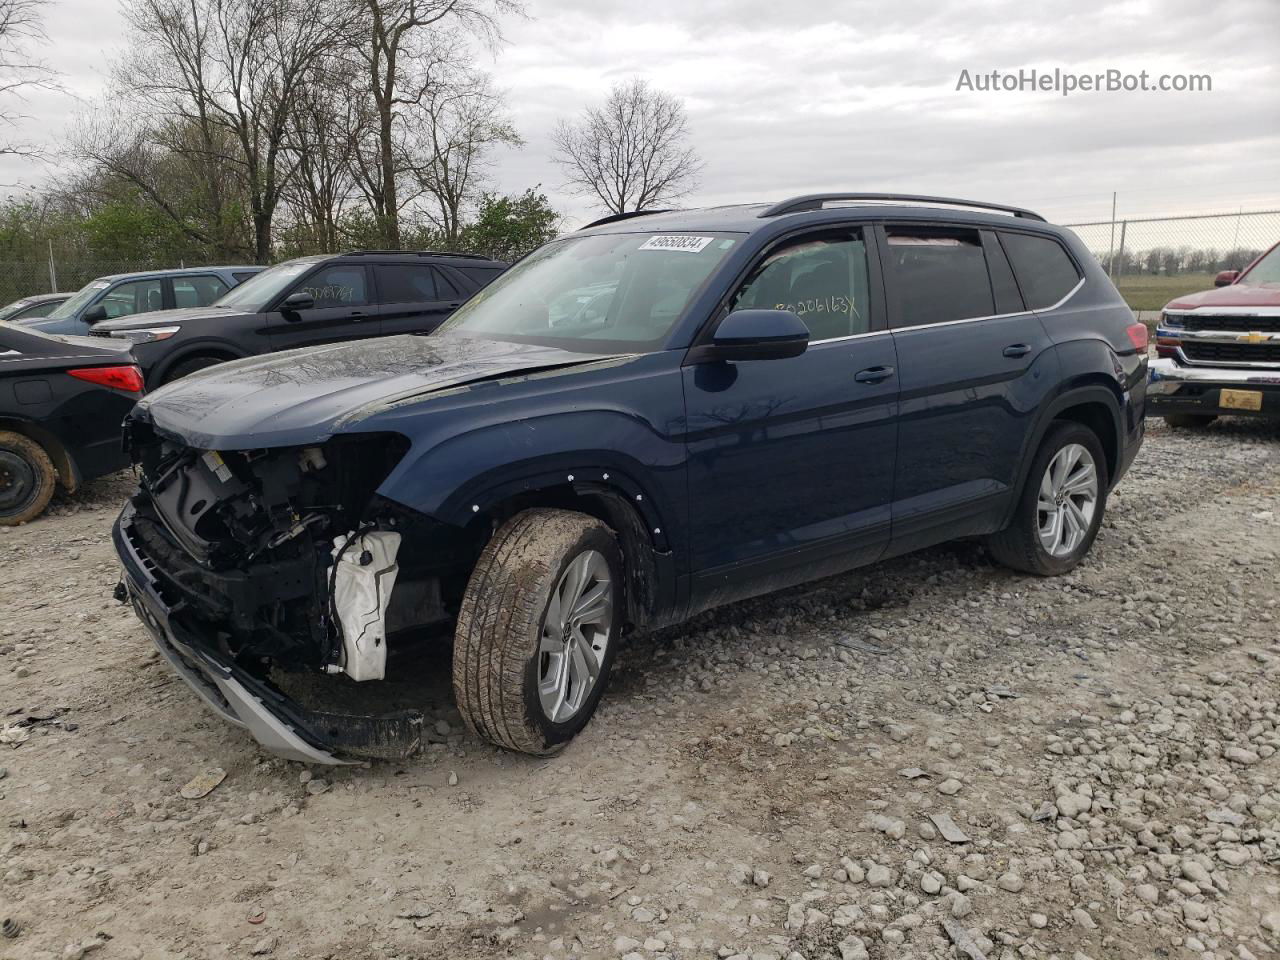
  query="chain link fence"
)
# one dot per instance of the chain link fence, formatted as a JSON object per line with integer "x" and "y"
{"x": 22, "y": 278}
{"x": 1153, "y": 260}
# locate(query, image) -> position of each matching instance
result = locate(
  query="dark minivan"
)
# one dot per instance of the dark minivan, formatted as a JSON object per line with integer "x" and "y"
{"x": 306, "y": 302}
{"x": 637, "y": 422}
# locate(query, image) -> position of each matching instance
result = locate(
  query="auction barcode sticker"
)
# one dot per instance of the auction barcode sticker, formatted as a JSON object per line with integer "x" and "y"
{"x": 681, "y": 243}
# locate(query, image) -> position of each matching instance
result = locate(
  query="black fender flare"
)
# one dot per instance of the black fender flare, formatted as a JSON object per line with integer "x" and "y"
{"x": 1096, "y": 389}
{"x": 585, "y": 474}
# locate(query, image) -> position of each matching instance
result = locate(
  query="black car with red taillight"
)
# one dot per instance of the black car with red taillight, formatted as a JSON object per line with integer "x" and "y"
{"x": 62, "y": 400}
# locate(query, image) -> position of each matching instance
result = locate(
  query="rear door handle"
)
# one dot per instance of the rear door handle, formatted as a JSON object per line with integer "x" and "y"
{"x": 1016, "y": 350}
{"x": 873, "y": 374}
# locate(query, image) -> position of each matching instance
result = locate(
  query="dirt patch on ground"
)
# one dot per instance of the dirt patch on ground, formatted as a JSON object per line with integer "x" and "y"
{"x": 763, "y": 781}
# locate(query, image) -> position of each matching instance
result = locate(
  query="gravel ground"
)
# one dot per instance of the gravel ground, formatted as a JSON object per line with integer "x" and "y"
{"x": 777, "y": 779}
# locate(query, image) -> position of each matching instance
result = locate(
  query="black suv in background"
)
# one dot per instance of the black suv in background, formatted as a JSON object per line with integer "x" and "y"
{"x": 305, "y": 302}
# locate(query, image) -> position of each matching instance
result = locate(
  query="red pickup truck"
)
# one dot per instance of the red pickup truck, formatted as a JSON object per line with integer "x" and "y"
{"x": 1219, "y": 351}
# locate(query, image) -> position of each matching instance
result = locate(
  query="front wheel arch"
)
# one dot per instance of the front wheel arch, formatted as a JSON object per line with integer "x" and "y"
{"x": 164, "y": 373}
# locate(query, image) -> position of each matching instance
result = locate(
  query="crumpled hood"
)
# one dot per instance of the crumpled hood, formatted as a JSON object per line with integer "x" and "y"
{"x": 1235, "y": 295}
{"x": 302, "y": 396}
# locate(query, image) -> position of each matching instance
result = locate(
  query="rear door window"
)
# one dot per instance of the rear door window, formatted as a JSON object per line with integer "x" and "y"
{"x": 479, "y": 275}
{"x": 1045, "y": 272}
{"x": 406, "y": 282}
{"x": 938, "y": 275}
{"x": 197, "y": 291}
{"x": 448, "y": 289}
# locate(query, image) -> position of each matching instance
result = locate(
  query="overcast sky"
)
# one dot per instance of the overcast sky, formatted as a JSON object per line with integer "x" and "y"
{"x": 796, "y": 96}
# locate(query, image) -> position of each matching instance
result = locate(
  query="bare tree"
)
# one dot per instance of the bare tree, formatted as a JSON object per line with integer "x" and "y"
{"x": 235, "y": 72}
{"x": 393, "y": 50}
{"x": 632, "y": 153}
{"x": 462, "y": 120}
{"x": 324, "y": 131}
{"x": 20, "y": 28}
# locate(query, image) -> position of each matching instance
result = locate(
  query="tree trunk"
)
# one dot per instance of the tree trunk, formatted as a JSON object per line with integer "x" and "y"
{"x": 390, "y": 205}
{"x": 262, "y": 238}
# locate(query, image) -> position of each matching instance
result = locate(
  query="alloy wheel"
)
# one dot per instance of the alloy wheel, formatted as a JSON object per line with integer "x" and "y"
{"x": 575, "y": 636}
{"x": 1067, "y": 500}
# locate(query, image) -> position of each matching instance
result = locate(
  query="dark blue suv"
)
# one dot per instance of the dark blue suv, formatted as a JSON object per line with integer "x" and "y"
{"x": 652, "y": 416}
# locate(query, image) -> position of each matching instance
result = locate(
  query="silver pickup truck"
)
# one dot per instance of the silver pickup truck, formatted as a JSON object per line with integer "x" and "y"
{"x": 1218, "y": 352}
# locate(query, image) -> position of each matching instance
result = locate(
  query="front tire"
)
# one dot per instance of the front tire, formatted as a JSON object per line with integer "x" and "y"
{"x": 538, "y": 629}
{"x": 1189, "y": 421}
{"x": 27, "y": 479}
{"x": 1060, "y": 507}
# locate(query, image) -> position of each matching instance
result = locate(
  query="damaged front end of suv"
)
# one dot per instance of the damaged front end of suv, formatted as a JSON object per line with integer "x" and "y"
{"x": 255, "y": 568}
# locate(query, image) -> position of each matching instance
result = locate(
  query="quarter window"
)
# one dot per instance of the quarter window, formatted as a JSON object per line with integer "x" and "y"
{"x": 820, "y": 278}
{"x": 939, "y": 274}
{"x": 336, "y": 286}
{"x": 1044, "y": 271}
{"x": 136, "y": 296}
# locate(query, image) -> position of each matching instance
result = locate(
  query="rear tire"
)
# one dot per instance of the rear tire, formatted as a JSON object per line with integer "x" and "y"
{"x": 1052, "y": 489}
{"x": 189, "y": 366}
{"x": 1189, "y": 421}
{"x": 27, "y": 479}
{"x": 538, "y": 629}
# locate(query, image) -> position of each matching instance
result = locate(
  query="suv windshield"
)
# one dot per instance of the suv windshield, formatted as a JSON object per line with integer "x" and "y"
{"x": 69, "y": 308}
{"x": 257, "y": 293}
{"x": 1266, "y": 271}
{"x": 602, "y": 293}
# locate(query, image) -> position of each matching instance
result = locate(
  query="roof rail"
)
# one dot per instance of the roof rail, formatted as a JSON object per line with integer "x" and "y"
{"x": 614, "y": 218}
{"x": 816, "y": 201}
{"x": 413, "y": 253}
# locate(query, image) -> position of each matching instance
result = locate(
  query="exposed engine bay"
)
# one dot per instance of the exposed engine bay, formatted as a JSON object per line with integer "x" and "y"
{"x": 286, "y": 559}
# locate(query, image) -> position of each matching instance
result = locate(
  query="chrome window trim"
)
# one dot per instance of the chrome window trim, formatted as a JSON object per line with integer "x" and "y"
{"x": 852, "y": 336}
{"x": 1001, "y": 316}
{"x": 949, "y": 323}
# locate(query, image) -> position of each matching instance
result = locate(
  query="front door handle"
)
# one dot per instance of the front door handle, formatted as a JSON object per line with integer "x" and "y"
{"x": 873, "y": 374}
{"x": 1016, "y": 350}
{"x": 357, "y": 315}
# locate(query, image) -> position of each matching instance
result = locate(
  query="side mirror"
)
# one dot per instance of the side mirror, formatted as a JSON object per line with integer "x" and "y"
{"x": 298, "y": 301}
{"x": 754, "y": 335}
{"x": 94, "y": 314}
{"x": 1226, "y": 278}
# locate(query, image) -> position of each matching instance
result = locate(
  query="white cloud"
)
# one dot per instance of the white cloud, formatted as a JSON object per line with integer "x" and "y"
{"x": 789, "y": 97}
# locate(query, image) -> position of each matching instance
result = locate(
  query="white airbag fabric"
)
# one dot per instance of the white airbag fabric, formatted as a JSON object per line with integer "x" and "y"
{"x": 361, "y": 593}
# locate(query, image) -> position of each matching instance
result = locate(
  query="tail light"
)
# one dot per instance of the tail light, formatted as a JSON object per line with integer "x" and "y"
{"x": 1138, "y": 336}
{"x": 128, "y": 378}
